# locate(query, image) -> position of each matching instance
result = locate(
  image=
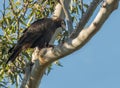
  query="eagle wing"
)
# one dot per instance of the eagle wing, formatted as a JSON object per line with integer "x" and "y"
{"x": 30, "y": 35}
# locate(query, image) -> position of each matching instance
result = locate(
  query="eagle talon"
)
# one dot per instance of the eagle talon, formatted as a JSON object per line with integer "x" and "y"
{"x": 50, "y": 46}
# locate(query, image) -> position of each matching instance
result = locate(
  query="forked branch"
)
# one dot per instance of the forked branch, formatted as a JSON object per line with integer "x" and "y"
{"x": 78, "y": 39}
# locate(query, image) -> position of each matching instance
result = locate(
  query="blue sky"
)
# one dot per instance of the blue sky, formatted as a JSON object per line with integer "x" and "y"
{"x": 96, "y": 65}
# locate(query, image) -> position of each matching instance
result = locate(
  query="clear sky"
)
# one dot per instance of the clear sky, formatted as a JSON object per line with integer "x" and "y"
{"x": 96, "y": 65}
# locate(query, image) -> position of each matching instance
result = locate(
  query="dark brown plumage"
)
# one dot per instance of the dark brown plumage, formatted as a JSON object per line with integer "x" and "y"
{"x": 38, "y": 34}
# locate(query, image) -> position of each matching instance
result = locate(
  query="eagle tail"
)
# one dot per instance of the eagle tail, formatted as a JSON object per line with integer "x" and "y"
{"x": 14, "y": 54}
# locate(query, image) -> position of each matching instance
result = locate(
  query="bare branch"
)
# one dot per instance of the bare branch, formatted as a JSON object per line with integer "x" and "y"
{"x": 36, "y": 75}
{"x": 85, "y": 18}
{"x": 58, "y": 12}
{"x": 26, "y": 76}
{"x": 59, "y": 30}
{"x": 67, "y": 15}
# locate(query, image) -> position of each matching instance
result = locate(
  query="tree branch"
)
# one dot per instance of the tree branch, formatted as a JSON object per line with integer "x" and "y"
{"x": 73, "y": 44}
{"x": 67, "y": 15}
{"x": 85, "y": 18}
{"x": 26, "y": 76}
{"x": 58, "y": 12}
{"x": 48, "y": 55}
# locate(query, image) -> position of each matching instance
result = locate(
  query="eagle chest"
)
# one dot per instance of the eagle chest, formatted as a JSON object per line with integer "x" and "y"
{"x": 48, "y": 35}
{"x": 49, "y": 32}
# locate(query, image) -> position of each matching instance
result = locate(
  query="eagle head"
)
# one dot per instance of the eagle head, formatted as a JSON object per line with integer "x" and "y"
{"x": 60, "y": 23}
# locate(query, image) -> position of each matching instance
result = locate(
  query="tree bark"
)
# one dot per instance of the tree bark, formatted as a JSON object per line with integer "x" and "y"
{"x": 77, "y": 40}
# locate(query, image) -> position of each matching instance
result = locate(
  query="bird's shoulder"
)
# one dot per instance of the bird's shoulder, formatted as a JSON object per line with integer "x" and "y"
{"x": 39, "y": 25}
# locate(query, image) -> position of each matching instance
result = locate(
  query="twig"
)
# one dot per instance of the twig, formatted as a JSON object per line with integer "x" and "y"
{"x": 3, "y": 15}
{"x": 12, "y": 8}
{"x": 25, "y": 8}
{"x": 82, "y": 10}
{"x": 68, "y": 16}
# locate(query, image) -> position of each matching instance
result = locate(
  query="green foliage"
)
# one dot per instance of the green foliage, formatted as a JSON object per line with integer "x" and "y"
{"x": 77, "y": 10}
{"x": 15, "y": 16}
